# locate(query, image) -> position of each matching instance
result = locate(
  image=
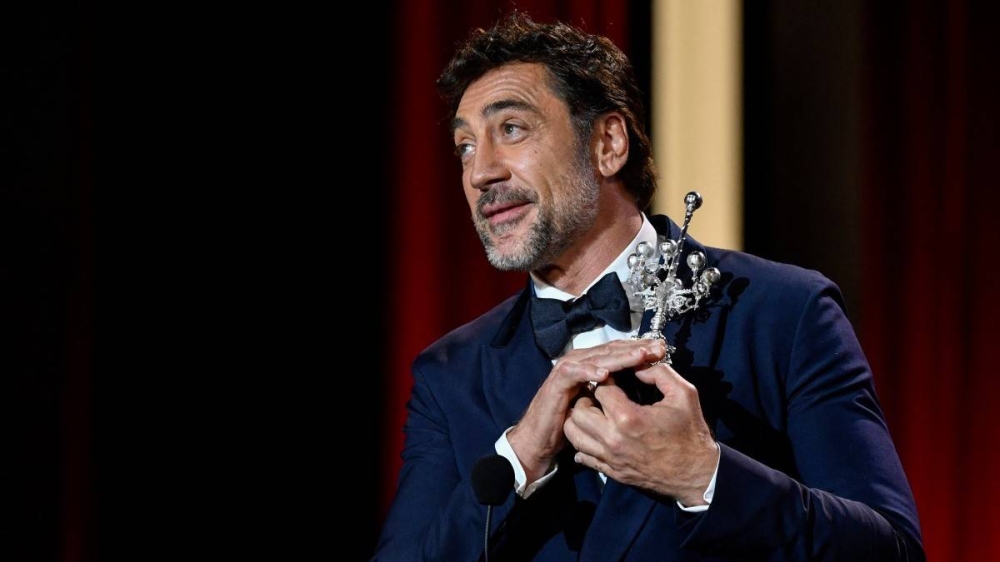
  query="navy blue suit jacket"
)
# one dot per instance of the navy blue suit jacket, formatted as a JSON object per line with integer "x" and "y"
{"x": 808, "y": 470}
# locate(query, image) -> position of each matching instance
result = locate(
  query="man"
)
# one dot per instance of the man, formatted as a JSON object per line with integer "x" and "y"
{"x": 762, "y": 441}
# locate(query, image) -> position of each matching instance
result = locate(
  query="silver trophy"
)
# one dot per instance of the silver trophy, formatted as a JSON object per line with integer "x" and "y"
{"x": 653, "y": 276}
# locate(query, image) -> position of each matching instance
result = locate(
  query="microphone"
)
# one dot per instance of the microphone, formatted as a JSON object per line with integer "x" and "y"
{"x": 492, "y": 482}
{"x": 492, "y": 479}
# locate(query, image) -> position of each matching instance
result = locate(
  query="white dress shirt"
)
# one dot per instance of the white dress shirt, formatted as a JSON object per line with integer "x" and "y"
{"x": 584, "y": 340}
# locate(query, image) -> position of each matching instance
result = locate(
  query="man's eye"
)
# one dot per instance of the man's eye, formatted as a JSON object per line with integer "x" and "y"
{"x": 463, "y": 149}
{"x": 510, "y": 128}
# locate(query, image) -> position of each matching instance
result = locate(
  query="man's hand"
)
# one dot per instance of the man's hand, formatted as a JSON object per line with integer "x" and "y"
{"x": 665, "y": 447}
{"x": 538, "y": 437}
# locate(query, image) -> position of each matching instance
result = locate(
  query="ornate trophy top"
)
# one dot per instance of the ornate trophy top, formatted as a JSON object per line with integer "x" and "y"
{"x": 653, "y": 276}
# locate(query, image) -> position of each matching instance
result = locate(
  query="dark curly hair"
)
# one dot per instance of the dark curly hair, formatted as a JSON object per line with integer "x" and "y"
{"x": 589, "y": 73}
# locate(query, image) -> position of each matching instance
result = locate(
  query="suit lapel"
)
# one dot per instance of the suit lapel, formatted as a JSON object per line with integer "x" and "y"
{"x": 621, "y": 514}
{"x": 513, "y": 366}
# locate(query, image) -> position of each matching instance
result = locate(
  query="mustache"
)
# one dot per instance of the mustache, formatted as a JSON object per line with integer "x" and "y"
{"x": 496, "y": 195}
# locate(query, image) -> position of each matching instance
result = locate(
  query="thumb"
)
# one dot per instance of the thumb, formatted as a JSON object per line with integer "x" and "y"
{"x": 663, "y": 376}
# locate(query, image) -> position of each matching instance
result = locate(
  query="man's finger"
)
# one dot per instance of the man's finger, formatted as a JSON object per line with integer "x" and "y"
{"x": 675, "y": 388}
{"x": 571, "y": 374}
{"x": 593, "y": 462}
{"x": 664, "y": 377}
{"x": 613, "y": 400}
{"x": 579, "y": 433}
{"x": 616, "y": 347}
{"x": 617, "y": 359}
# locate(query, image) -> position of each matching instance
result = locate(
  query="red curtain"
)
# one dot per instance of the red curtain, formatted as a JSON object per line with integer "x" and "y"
{"x": 931, "y": 233}
{"x": 442, "y": 278}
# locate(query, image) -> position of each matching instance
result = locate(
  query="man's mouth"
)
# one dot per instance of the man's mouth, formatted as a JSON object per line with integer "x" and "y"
{"x": 499, "y": 212}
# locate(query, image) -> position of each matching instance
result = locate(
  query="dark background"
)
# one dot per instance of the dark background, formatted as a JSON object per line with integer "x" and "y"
{"x": 189, "y": 209}
{"x": 208, "y": 298}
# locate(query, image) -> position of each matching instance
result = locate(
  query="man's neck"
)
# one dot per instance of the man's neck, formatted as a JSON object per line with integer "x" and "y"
{"x": 579, "y": 265}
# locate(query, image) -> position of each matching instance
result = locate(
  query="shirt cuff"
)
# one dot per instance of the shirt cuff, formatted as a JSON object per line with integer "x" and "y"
{"x": 709, "y": 492}
{"x": 521, "y": 487}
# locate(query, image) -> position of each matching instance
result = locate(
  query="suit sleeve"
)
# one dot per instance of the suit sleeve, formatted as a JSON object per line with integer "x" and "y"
{"x": 850, "y": 499}
{"x": 435, "y": 514}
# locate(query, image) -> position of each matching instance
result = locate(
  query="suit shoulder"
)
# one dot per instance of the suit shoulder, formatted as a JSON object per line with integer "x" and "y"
{"x": 772, "y": 280}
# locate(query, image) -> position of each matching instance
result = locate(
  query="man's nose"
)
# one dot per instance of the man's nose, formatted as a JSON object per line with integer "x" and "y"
{"x": 488, "y": 166}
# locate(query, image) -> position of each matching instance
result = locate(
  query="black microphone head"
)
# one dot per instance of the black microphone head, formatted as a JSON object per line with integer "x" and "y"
{"x": 492, "y": 479}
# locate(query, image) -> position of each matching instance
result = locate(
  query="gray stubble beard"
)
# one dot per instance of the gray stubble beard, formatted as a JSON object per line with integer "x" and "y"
{"x": 554, "y": 229}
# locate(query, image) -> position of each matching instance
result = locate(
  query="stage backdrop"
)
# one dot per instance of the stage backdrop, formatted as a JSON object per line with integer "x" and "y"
{"x": 870, "y": 153}
{"x": 931, "y": 231}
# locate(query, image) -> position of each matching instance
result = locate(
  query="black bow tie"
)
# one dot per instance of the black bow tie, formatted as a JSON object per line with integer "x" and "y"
{"x": 556, "y": 321}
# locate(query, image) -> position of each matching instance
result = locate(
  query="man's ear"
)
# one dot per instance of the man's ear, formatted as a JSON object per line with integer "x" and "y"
{"x": 611, "y": 134}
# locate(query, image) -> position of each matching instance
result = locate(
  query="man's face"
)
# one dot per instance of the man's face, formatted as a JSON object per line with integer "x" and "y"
{"x": 529, "y": 181}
